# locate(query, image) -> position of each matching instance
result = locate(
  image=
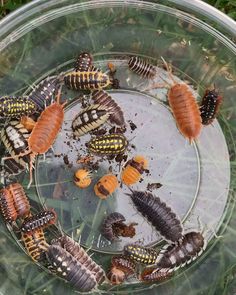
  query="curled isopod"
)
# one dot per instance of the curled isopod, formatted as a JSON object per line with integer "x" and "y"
{"x": 113, "y": 226}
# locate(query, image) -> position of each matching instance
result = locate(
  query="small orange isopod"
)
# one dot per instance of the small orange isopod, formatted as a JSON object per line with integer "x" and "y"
{"x": 106, "y": 186}
{"x": 82, "y": 178}
{"x": 133, "y": 170}
{"x": 28, "y": 123}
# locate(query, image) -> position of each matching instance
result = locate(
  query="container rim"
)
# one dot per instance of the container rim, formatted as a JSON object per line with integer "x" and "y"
{"x": 14, "y": 18}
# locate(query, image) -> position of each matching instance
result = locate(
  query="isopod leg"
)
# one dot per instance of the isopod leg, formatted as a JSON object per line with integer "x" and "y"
{"x": 32, "y": 156}
{"x": 17, "y": 156}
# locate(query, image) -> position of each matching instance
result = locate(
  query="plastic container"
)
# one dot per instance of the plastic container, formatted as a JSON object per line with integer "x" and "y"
{"x": 42, "y": 39}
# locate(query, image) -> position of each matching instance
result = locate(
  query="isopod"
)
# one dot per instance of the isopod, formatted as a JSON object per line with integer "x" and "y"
{"x": 83, "y": 62}
{"x": 113, "y": 226}
{"x": 21, "y": 201}
{"x": 41, "y": 220}
{"x": 106, "y": 186}
{"x": 15, "y": 139}
{"x": 44, "y": 132}
{"x": 210, "y": 106}
{"x": 155, "y": 275}
{"x": 110, "y": 144}
{"x": 133, "y": 170}
{"x": 7, "y": 206}
{"x": 89, "y": 119}
{"x": 184, "y": 252}
{"x": 184, "y": 108}
{"x": 102, "y": 98}
{"x": 35, "y": 244}
{"x": 43, "y": 94}
{"x": 16, "y": 107}
{"x": 141, "y": 254}
{"x": 121, "y": 268}
{"x": 10, "y": 167}
{"x": 70, "y": 269}
{"x": 28, "y": 123}
{"x": 158, "y": 214}
{"x": 87, "y": 80}
{"x": 81, "y": 255}
{"x": 82, "y": 178}
{"x": 141, "y": 67}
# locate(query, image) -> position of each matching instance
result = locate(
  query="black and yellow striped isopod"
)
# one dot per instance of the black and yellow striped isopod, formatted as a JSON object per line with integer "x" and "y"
{"x": 16, "y": 107}
{"x": 35, "y": 244}
{"x": 87, "y": 80}
{"x": 110, "y": 144}
{"x": 141, "y": 254}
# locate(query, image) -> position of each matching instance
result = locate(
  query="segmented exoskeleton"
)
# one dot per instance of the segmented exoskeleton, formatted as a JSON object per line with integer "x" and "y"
{"x": 111, "y": 144}
{"x": 7, "y": 206}
{"x": 41, "y": 220}
{"x": 43, "y": 94}
{"x": 141, "y": 67}
{"x": 35, "y": 244}
{"x": 10, "y": 167}
{"x": 70, "y": 269}
{"x": 150, "y": 275}
{"x": 158, "y": 214}
{"x": 185, "y": 251}
{"x": 102, "y": 98}
{"x": 44, "y": 133}
{"x": 80, "y": 255}
{"x": 83, "y": 62}
{"x": 113, "y": 226}
{"x": 141, "y": 254}
{"x": 210, "y": 105}
{"x": 121, "y": 268}
{"x": 21, "y": 201}
{"x": 16, "y": 107}
{"x": 87, "y": 80}
{"x": 15, "y": 139}
{"x": 133, "y": 170}
{"x": 89, "y": 119}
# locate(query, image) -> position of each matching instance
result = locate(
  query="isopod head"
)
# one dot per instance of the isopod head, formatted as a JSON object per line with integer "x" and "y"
{"x": 82, "y": 178}
{"x": 106, "y": 186}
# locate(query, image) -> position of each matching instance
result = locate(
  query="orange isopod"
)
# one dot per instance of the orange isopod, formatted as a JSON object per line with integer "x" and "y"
{"x": 184, "y": 107}
{"x": 21, "y": 201}
{"x": 133, "y": 170}
{"x": 44, "y": 132}
{"x": 185, "y": 110}
{"x": 28, "y": 123}
{"x": 106, "y": 186}
{"x": 82, "y": 178}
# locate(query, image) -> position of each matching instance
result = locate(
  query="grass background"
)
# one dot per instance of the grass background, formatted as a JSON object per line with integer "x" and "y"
{"x": 226, "y": 6}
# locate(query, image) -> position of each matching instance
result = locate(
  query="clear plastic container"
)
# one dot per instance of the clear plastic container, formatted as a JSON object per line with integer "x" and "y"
{"x": 42, "y": 39}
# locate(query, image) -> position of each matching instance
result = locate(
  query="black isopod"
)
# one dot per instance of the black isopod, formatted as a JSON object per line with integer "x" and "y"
{"x": 102, "y": 98}
{"x": 210, "y": 105}
{"x": 81, "y": 255}
{"x": 158, "y": 214}
{"x": 184, "y": 252}
{"x": 70, "y": 269}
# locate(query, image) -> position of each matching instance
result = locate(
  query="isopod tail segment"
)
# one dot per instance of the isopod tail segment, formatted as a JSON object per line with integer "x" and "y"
{"x": 30, "y": 151}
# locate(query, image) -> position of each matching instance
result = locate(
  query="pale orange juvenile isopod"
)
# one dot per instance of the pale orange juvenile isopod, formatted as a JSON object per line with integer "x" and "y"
{"x": 106, "y": 186}
{"x": 82, "y": 178}
{"x": 133, "y": 170}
